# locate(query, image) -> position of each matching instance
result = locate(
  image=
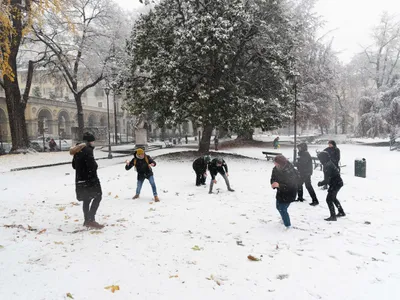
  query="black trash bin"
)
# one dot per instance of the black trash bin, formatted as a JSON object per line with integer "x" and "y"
{"x": 360, "y": 168}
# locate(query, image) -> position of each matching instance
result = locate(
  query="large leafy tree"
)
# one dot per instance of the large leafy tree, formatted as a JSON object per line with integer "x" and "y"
{"x": 218, "y": 63}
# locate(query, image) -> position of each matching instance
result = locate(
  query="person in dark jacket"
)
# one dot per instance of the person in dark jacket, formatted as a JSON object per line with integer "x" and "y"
{"x": 284, "y": 179}
{"x": 87, "y": 184}
{"x": 143, "y": 164}
{"x": 335, "y": 182}
{"x": 276, "y": 142}
{"x": 200, "y": 167}
{"x": 218, "y": 165}
{"x": 334, "y": 154}
{"x": 305, "y": 167}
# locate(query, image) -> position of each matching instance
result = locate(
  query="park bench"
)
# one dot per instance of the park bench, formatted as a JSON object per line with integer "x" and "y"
{"x": 270, "y": 155}
{"x": 316, "y": 162}
{"x": 168, "y": 144}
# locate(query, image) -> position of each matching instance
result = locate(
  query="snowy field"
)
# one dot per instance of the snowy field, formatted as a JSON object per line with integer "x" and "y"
{"x": 193, "y": 245}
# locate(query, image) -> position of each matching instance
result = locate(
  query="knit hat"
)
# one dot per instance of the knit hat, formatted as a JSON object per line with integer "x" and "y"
{"x": 302, "y": 147}
{"x": 140, "y": 151}
{"x": 281, "y": 160}
{"x": 333, "y": 143}
{"x": 207, "y": 158}
{"x": 88, "y": 137}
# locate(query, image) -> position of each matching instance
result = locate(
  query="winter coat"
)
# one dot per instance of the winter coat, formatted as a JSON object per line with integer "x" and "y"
{"x": 87, "y": 183}
{"x": 334, "y": 153}
{"x": 305, "y": 164}
{"x": 287, "y": 178}
{"x": 200, "y": 165}
{"x": 214, "y": 169}
{"x": 142, "y": 166}
{"x": 331, "y": 176}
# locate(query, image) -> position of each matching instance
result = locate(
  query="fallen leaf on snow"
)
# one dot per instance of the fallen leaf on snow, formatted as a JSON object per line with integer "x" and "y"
{"x": 76, "y": 220}
{"x": 152, "y": 209}
{"x": 59, "y": 243}
{"x": 282, "y": 276}
{"x": 74, "y": 204}
{"x": 42, "y": 231}
{"x": 116, "y": 197}
{"x": 69, "y": 295}
{"x": 109, "y": 193}
{"x": 196, "y": 248}
{"x": 174, "y": 276}
{"x": 112, "y": 288}
{"x": 217, "y": 281}
{"x": 1, "y": 247}
{"x": 251, "y": 257}
{"x": 96, "y": 232}
{"x": 61, "y": 208}
{"x": 67, "y": 217}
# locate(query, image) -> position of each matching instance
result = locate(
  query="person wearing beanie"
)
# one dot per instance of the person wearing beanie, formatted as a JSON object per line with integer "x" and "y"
{"x": 200, "y": 168}
{"x": 87, "y": 184}
{"x": 218, "y": 165}
{"x": 334, "y": 153}
{"x": 335, "y": 182}
{"x": 305, "y": 167}
{"x": 284, "y": 179}
{"x": 143, "y": 164}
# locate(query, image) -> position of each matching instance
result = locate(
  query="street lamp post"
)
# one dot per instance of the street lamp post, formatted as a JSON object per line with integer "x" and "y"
{"x": 115, "y": 118}
{"x": 295, "y": 122}
{"x": 293, "y": 80}
{"x": 107, "y": 91}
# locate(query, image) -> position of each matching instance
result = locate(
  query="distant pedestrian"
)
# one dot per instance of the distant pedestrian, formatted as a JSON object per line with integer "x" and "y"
{"x": 200, "y": 168}
{"x": 216, "y": 141}
{"x": 186, "y": 139}
{"x": 218, "y": 165}
{"x": 305, "y": 167}
{"x": 143, "y": 164}
{"x": 87, "y": 184}
{"x": 284, "y": 179}
{"x": 276, "y": 142}
{"x": 52, "y": 145}
{"x": 335, "y": 182}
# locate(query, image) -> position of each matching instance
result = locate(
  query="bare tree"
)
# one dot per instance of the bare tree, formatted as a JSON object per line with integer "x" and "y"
{"x": 82, "y": 48}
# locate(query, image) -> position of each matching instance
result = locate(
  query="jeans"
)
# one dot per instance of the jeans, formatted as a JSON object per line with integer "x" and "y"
{"x": 226, "y": 181}
{"x": 152, "y": 183}
{"x": 282, "y": 207}
{"x": 309, "y": 187}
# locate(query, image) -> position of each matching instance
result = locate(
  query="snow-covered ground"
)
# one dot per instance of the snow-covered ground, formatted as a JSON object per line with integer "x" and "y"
{"x": 193, "y": 245}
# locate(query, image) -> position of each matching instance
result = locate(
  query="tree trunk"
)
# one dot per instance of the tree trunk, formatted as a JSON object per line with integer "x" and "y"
{"x": 16, "y": 115}
{"x": 322, "y": 129}
{"x": 204, "y": 146}
{"x": 81, "y": 121}
{"x": 245, "y": 135}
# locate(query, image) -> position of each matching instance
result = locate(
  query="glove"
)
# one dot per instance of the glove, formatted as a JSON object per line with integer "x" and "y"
{"x": 320, "y": 183}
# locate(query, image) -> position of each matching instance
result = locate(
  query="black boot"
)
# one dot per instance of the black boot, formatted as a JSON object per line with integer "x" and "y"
{"x": 332, "y": 212}
{"x": 331, "y": 218}
{"x": 341, "y": 214}
{"x": 314, "y": 203}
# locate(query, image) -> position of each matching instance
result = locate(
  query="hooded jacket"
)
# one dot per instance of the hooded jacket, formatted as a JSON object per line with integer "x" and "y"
{"x": 331, "y": 172}
{"x": 287, "y": 179}
{"x": 214, "y": 169}
{"x": 304, "y": 163}
{"x": 334, "y": 153}
{"x": 200, "y": 165}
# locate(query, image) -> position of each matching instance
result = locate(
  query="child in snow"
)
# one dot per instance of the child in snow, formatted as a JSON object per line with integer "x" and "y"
{"x": 335, "y": 182}
{"x": 276, "y": 142}
{"x": 218, "y": 165}
{"x": 200, "y": 167}
{"x": 284, "y": 179}
{"x": 143, "y": 164}
{"x": 87, "y": 184}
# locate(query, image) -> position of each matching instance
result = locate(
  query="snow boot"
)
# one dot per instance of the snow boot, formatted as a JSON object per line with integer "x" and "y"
{"x": 231, "y": 190}
{"x": 136, "y": 196}
{"x": 314, "y": 203}
{"x": 156, "y": 199}
{"x": 94, "y": 224}
{"x": 300, "y": 200}
{"x": 331, "y": 218}
{"x": 341, "y": 214}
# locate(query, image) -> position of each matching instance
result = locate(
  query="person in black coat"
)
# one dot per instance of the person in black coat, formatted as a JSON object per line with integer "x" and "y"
{"x": 335, "y": 182}
{"x": 218, "y": 165}
{"x": 200, "y": 167}
{"x": 284, "y": 179}
{"x": 334, "y": 153}
{"x": 87, "y": 184}
{"x": 143, "y": 164}
{"x": 305, "y": 167}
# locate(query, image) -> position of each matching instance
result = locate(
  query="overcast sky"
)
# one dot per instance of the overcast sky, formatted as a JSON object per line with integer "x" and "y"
{"x": 350, "y": 20}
